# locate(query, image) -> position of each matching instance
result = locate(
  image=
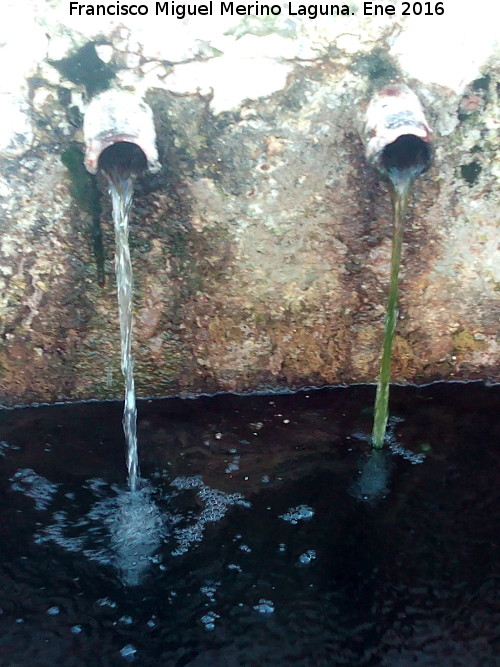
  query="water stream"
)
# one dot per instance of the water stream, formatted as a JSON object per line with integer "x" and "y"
{"x": 402, "y": 162}
{"x": 121, "y": 191}
{"x": 400, "y": 193}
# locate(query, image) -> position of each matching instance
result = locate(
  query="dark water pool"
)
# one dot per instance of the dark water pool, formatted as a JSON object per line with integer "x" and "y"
{"x": 266, "y": 532}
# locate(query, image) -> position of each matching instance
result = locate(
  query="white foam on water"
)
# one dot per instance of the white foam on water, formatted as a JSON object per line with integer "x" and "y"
{"x": 5, "y": 447}
{"x": 296, "y": 514}
{"x": 136, "y": 530}
{"x": 124, "y": 531}
{"x": 215, "y": 504}
{"x": 210, "y": 589}
{"x": 307, "y": 557}
{"x": 128, "y": 652}
{"x": 209, "y": 619}
{"x": 34, "y": 486}
{"x": 264, "y": 606}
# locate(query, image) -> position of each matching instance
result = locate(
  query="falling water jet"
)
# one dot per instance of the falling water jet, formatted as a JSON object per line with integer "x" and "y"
{"x": 120, "y": 142}
{"x": 399, "y": 147}
{"x": 121, "y": 163}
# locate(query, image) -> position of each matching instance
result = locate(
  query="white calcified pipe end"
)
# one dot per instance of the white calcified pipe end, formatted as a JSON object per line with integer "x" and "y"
{"x": 393, "y": 112}
{"x": 116, "y": 116}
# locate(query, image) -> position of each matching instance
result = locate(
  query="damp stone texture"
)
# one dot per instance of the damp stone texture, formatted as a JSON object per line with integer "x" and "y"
{"x": 261, "y": 247}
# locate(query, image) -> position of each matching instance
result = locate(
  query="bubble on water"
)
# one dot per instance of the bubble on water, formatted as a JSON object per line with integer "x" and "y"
{"x": 233, "y": 566}
{"x": 76, "y": 629}
{"x": 406, "y": 454}
{"x": 265, "y": 479}
{"x": 234, "y": 466}
{"x": 396, "y": 448}
{"x": 53, "y": 611}
{"x": 106, "y": 602}
{"x": 246, "y": 548}
{"x": 34, "y": 486}
{"x": 210, "y": 589}
{"x": 184, "y": 483}
{"x": 282, "y": 547}
{"x": 307, "y": 557}
{"x": 126, "y": 620}
{"x": 216, "y": 504}
{"x": 264, "y": 606}
{"x": 128, "y": 652}
{"x": 151, "y": 623}
{"x": 209, "y": 619}
{"x": 4, "y": 447}
{"x": 299, "y": 513}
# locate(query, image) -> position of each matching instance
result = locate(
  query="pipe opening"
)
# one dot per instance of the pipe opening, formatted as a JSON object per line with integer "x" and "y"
{"x": 123, "y": 158}
{"x": 407, "y": 154}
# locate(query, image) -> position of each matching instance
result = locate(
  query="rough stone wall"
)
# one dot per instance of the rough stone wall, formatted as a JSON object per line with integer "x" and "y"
{"x": 261, "y": 251}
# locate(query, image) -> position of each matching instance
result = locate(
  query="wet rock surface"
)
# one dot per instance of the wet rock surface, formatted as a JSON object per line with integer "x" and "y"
{"x": 261, "y": 250}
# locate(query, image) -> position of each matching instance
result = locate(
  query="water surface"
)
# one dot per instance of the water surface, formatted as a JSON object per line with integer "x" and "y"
{"x": 265, "y": 531}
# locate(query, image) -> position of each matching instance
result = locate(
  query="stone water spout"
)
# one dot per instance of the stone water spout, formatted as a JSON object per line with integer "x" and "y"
{"x": 397, "y": 135}
{"x": 119, "y": 131}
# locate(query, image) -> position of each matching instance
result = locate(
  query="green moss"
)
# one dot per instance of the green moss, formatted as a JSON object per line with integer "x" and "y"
{"x": 464, "y": 342}
{"x": 483, "y": 83}
{"x": 86, "y": 68}
{"x": 377, "y": 66}
{"x": 470, "y": 172}
{"x": 296, "y": 94}
{"x": 87, "y": 196}
{"x": 83, "y": 185}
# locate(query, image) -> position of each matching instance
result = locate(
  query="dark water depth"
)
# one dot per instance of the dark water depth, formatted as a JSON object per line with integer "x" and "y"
{"x": 265, "y": 532}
